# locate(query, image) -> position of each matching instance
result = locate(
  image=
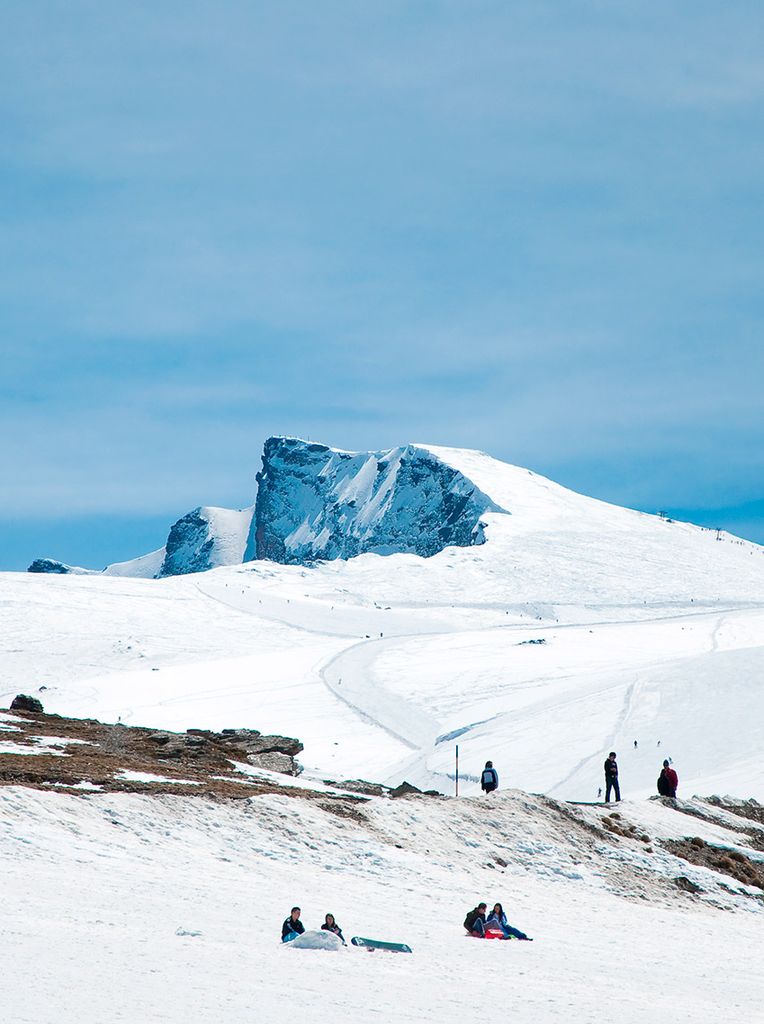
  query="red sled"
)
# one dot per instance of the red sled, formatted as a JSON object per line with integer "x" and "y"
{"x": 490, "y": 933}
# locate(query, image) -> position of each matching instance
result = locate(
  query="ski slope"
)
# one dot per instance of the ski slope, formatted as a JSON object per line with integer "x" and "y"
{"x": 652, "y": 631}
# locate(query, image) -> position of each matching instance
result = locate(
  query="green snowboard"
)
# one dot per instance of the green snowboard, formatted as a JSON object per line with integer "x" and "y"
{"x": 391, "y": 947}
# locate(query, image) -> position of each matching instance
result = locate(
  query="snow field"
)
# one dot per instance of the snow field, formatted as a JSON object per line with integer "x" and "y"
{"x": 108, "y": 946}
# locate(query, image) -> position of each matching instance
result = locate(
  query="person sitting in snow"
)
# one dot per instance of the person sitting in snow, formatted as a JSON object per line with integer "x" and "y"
{"x": 293, "y": 926}
{"x": 489, "y": 780}
{"x": 330, "y": 925}
{"x": 474, "y": 922}
{"x": 668, "y": 780}
{"x": 498, "y": 919}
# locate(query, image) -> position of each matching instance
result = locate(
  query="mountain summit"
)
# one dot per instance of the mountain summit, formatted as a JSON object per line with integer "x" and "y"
{"x": 316, "y": 503}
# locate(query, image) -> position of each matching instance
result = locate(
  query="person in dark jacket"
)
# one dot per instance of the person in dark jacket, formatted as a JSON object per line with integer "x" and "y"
{"x": 489, "y": 780}
{"x": 668, "y": 780}
{"x": 611, "y": 777}
{"x": 293, "y": 926}
{"x": 498, "y": 919}
{"x": 474, "y": 922}
{"x": 330, "y": 925}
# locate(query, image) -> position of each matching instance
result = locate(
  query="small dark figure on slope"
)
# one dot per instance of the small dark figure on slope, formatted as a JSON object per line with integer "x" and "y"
{"x": 489, "y": 780}
{"x": 611, "y": 777}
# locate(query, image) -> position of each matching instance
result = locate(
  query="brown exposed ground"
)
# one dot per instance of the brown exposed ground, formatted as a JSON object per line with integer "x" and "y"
{"x": 729, "y": 862}
{"x": 101, "y": 752}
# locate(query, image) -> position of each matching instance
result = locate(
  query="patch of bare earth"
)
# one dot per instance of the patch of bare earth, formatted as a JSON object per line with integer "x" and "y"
{"x": 718, "y": 858}
{"x": 195, "y": 763}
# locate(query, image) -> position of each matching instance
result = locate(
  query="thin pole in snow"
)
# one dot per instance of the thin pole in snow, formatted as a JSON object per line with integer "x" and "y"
{"x": 457, "y": 769}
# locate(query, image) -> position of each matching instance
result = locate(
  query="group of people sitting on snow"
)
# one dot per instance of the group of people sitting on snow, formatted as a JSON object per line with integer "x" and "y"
{"x": 293, "y": 926}
{"x": 479, "y": 923}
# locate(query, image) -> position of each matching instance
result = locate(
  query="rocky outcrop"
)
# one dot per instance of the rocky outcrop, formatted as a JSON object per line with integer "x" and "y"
{"x": 54, "y": 566}
{"x": 275, "y": 753}
{"x": 316, "y": 502}
{"x": 21, "y": 702}
{"x": 253, "y": 742}
{"x": 204, "y": 539}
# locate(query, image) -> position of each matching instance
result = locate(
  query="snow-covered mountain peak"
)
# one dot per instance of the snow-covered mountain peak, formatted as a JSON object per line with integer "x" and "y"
{"x": 316, "y": 502}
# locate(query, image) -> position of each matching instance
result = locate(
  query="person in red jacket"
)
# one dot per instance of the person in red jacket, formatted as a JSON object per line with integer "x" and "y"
{"x": 670, "y": 780}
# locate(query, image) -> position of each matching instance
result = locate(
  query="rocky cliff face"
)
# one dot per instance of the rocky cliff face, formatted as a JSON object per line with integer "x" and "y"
{"x": 204, "y": 539}
{"x": 316, "y": 502}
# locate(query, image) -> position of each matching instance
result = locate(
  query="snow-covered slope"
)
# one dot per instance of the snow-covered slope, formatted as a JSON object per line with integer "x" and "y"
{"x": 643, "y": 630}
{"x": 133, "y": 909}
{"x": 575, "y": 628}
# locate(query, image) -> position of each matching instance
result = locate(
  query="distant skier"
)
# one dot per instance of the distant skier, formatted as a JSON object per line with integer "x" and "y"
{"x": 293, "y": 926}
{"x": 611, "y": 777}
{"x": 474, "y": 922}
{"x": 498, "y": 919}
{"x": 489, "y": 780}
{"x": 599, "y": 793}
{"x": 330, "y": 925}
{"x": 668, "y": 781}
{"x": 635, "y": 744}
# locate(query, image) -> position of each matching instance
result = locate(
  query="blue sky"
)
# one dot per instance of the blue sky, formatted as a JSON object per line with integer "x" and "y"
{"x": 532, "y": 228}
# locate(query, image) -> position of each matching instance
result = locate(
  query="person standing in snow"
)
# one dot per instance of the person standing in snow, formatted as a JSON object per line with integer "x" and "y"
{"x": 668, "y": 781}
{"x": 611, "y": 777}
{"x": 474, "y": 922}
{"x": 293, "y": 926}
{"x": 489, "y": 780}
{"x": 330, "y": 925}
{"x": 498, "y": 919}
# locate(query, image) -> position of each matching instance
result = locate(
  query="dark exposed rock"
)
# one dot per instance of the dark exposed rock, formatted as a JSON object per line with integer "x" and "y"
{"x": 189, "y": 545}
{"x": 254, "y": 742}
{"x": 405, "y": 789}
{"x": 49, "y": 565}
{"x": 22, "y": 702}
{"x": 361, "y": 786}
{"x": 315, "y": 502}
{"x": 275, "y": 762}
{"x": 686, "y": 885}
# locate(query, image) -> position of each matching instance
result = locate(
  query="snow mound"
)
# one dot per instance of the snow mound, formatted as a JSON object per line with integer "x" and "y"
{"x": 316, "y": 940}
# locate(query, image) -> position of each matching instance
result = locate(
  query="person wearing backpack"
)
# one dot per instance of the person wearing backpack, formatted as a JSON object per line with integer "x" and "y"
{"x": 489, "y": 780}
{"x": 668, "y": 780}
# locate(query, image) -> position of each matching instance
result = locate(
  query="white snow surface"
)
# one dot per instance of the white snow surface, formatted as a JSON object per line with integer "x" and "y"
{"x": 652, "y": 631}
{"x": 171, "y": 911}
